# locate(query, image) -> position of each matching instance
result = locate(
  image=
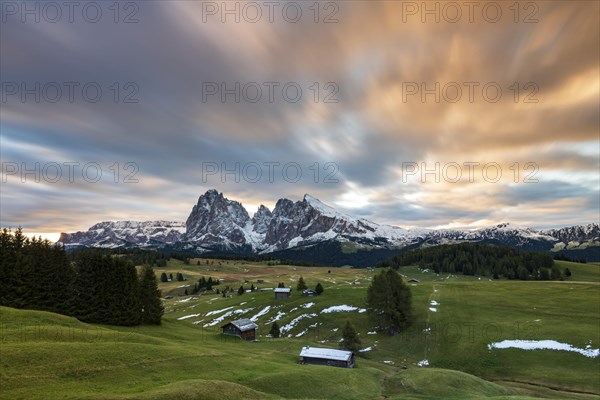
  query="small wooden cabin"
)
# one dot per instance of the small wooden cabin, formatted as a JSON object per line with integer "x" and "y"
{"x": 242, "y": 328}
{"x": 331, "y": 357}
{"x": 282, "y": 293}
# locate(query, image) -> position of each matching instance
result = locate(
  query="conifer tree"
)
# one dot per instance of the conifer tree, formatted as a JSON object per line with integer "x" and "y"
{"x": 389, "y": 301}
{"x": 151, "y": 306}
{"x": 350, "y": 340}
{"x": 241, "y": 290}
{"x": 275, "y": 332}
{"x": 319, "y": 289}
{"x": 301, "y": 284}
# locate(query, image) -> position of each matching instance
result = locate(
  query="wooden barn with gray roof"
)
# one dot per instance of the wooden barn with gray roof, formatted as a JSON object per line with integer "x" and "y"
{"x": 242, "y": 328}
{"x": 331, "y": 357}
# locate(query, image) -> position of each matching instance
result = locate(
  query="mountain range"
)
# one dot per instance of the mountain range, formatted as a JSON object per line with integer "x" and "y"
{"x": 305, "y": 229}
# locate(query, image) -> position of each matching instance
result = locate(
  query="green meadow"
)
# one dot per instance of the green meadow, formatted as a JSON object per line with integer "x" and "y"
{"x": 444, "y": 354}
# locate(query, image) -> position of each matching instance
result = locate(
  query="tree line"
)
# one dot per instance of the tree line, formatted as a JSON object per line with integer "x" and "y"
{"x": 480, "y": 259}
{"x": 93, "y": 287}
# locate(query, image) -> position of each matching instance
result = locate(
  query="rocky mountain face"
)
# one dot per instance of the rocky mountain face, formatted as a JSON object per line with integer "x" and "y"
{"x": 217, "y": 223}
{"x": 578, "y": 234}
{"x": 126, "y": 234}
{"x": 261, "y": 220}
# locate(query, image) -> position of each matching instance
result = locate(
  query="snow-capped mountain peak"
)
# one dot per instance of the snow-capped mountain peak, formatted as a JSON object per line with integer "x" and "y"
{"x": 217, "y": 223}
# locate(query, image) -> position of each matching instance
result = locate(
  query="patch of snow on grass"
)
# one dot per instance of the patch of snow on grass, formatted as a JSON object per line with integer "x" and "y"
{"x": 372, "y": 333}
{"x": 276, "y": 317}
{"x": 544, "y": 345}
{"x": 432, "y": 309}
{"x": 208, "y": 314}
{"x": 185, "y": 300}
{"x": 423, "y": 363}
{"x": 294, "y": 322}
{"x": 342, "y": 308}
{"x": 226, "y": 315}
{"x": 434, "y": 303}
{"x": 365, "y": 349}
{"x": 260, "y": 313}
{"x": 188, "y": 316}
{"x": 302, "y": 333}
{"x": 308, "y": 305}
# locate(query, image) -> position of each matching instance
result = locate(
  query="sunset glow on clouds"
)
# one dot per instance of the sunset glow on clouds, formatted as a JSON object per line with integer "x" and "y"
{"x": 364, "y": 146}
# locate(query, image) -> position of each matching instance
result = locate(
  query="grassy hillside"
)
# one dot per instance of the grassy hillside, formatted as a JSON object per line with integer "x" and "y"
{"x": 581, "y": 272}
{"x": 49, "y": 356}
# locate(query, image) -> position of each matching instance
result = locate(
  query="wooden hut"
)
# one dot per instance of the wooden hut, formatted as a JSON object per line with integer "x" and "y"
{"x": 282, "y": 293}
{"x": 331, "y": 357}
{"x": 242, "y": 328}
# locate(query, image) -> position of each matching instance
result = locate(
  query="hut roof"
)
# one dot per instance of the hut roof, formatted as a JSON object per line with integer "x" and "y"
{"x": 243, "y": 324}
{"x": 329, "y": 354}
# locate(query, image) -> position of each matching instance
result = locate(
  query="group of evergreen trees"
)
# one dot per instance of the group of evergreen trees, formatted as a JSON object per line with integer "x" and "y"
{"x": 96, "y": 287}
{"x": 204, "y": 284}
{"x": 480, "y": 259}
{"x": 34, "y": 274}
{"x": 301, "y": 286}
{"x": 138, "y": 256}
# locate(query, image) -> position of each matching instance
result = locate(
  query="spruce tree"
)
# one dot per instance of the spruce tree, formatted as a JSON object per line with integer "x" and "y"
{"x": 567, "y": 272}
{"x": 389, "y": 301}
{"x": 151, "y": 306}
{"x": 8, "y": 267}
{"x": 350, "y": 340}
{"x": 319, "y": 289}
{"x": 301, "y": 284}
{"x": 241, "y": 290}
{"x": 164, "y": 277}
{"x": 275, "y": 332}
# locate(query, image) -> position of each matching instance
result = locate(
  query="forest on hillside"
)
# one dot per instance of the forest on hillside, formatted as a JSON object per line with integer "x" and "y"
{"x": 481, "y": 260}
{"x": 93, "y": 286}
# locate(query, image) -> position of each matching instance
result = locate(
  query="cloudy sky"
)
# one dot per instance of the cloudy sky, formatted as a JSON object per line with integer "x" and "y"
{"x": 447, "y": 116}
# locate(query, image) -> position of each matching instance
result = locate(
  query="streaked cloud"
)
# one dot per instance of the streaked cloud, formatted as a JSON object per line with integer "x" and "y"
{"x": 370, "y": 56}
